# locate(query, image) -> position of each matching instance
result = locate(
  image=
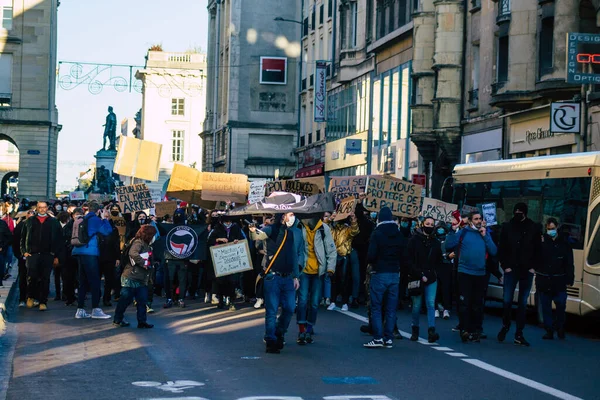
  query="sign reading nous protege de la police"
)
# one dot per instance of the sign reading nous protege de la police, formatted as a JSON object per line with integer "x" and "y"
{"x": 565, "y": 118}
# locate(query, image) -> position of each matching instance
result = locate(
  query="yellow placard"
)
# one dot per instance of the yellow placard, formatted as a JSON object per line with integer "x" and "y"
{"x": 138, "y": 158}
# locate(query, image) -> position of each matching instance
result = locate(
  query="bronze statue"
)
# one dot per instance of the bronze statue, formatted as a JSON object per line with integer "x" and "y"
{"x": 110, "y": 130}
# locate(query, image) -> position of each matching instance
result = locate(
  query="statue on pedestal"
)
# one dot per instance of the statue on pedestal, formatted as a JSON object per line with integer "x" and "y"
{"x": 110, "y": 130}
{"x": 103, "y": 181}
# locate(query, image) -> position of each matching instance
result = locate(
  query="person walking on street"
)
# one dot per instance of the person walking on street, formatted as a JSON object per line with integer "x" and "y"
{"x": 471, "y": 246}
{"x": 424, "y": 256}
{"x": 21, "y": 260}
{"x": 554, "y": 272}
{"x": 444, "y": 276}
{"x": 97, "y": 222}
{"x": 41, "y": 240}
{"x": 519, "y": 252}
{"x": 109, "y": 261}
{"x": 346, "y": 281}
{"x": 70, "y": 268}
{"x": 386, "y": 252}
{"x": 135, "y": 277}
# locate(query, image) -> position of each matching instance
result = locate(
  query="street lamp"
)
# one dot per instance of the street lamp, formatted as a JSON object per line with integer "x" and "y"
{"x": 287, "y": 20}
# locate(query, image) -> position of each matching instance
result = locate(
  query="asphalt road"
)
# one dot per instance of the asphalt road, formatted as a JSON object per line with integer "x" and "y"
{"x": 203, "y": 353}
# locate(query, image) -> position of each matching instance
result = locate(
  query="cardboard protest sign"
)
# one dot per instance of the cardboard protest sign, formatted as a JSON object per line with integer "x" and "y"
{"x": 345, "y": 209}
{"x": 165, "y": 208}
{"x": 100, "y": 197}
{"x": 219, "y": 186}
{"x": 345, "y": 186}
{"x": 186, "y": 184}
{"x": 303, "y": 186}
{"x": 77, "y": 195}
{"x": 134, "y": 198}
{"x": 466, "y": 210}
{"x": 257, "y": 191}
{"x": 402, "y": 197}
{"x": 121, "y": 226}
{"x": 438, "y": 210}
{"x": 489, "y": 213}
{"x": 231, "y": 258}
{"x": 138, "y": 158}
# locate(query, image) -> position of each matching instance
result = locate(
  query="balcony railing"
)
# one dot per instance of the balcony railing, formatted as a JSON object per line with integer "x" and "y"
{"x": 503, "y": 11}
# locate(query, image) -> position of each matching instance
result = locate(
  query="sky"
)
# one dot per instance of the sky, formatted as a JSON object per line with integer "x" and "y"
{"x": 112, "y": 32}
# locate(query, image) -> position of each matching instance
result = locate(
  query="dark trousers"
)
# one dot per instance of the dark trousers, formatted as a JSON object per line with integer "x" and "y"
{"x": 225, "y": 286}
{"x": 193, "y": 278}
{"x": 89, "y": 280}
{"x": 39, "y": 268}
{"x": 511, "y": 280}
{"x": 347, "y": 278}
{"x": 22, "y": 280}
{"x": 175, "y": 267}
{"x": 108, "y": 269}
{"x": 471, "y": 294}
{"x": 249, "y": 283}
{"x": 151, "y": 281}
{"x": 57, "y": 278}
{"x": 127, "y": 295}
{"x": 560, "y": 299}
{"x": 69, "y": 272}
{"x": 444, "y": 288}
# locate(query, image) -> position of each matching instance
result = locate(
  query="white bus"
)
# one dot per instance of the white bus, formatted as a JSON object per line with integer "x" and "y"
{"x": 566, "y": 187}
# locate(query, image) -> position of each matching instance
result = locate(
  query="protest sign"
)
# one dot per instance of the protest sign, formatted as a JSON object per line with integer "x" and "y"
{"x": 466, "y": 210}
{"x": 138, "y": 158}
{"x": 402, "y": 197}
{"x": 257, "y": 191}
{"x": 438, "y": 210}
{"x": 121, "y": 226}
{"x": 231, "y": 258}
{"x": 219, "y": 186}
{"x": 346, "y": 186}
{"x": 134, "y": 198}
{"x": 303, "y": 186}
{"x": 345, "y": 209}
{"x": 165, "y": 208}
{"x": 489, "y": 213}
{"x": 100, "y": 197}
{"x": 77, "y": 195}
{"x": 186, "y": 184}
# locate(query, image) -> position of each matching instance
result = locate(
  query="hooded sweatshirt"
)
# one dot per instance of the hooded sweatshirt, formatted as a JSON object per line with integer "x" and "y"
{"x": 387, "y": 245}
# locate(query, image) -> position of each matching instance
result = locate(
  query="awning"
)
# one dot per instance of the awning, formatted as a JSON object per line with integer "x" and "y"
{"x": 313, "y": 170}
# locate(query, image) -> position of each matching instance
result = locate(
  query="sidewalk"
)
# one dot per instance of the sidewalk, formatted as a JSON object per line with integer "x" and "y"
{"x": 8, "y": 296}
{"x": 8, "y": 336}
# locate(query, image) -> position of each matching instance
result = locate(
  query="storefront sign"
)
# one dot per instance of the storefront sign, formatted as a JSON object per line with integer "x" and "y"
{"x": 320, "y": 112}
{"x": 566, "y": 118}
{"x": 353, "y": 146}
{"x": 338, "y": 157}
{"x": 583, "y": 50}
{"x": 531, "y": 131}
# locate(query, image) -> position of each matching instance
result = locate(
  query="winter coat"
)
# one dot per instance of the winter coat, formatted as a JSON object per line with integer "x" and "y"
{"x": 342, "y": 237}
{"x": 325, "y": 249}
{"x": 33, "y": 232}
{"x": 520, "y": 246}
{"x": 365, "y": 229}
{"x": 387, "y": 248}
{"x": 137, "y": 269}
{"x": 5, "y": 236}
{"x": 424, "y": 256}
{"x": 110, "y": 245}
{"x": 471, "y": 249}
{"x": 556, "y": 269}
{"x": 96, "y": 226}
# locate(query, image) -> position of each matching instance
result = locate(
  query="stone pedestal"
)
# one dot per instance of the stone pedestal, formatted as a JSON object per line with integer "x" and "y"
{"x": 106, "y": 158}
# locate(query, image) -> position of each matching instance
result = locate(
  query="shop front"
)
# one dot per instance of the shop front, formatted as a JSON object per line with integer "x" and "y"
{"x": 347, "y": 156}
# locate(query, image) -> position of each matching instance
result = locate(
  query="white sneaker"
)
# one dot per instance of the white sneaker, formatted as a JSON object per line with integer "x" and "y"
{"x": 437, "y": 313}
{"x": 215, "y": 299}
{"x": 331, "y": 307}
{"x": 238, "y": 294}
{"x": 227, "y": 301}
{"x": 327, "y": 301}
{"x": 97, "y": 313}
{"x": 446, "y": 314}
{"x": 36, "y": 303}
{"x": 22, "y": 304}
{"x": 259, "y": 303}
{"x": 322, "y": 303}
{"x": 206, "y": 298}
{"x": 345, "y": 307}
{"x": 81, "y": 314}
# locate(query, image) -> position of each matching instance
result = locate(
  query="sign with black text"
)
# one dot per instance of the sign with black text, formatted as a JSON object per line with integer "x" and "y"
{"x": 134, "y": 198}
{"x": 347, "y": 186}
{"x": 402, "y": 197}
{"x": 345, "y": 209}
{"x": 231, "y": 258}
{"x": 438, "y": 210}
{"x": 320, "y": 112}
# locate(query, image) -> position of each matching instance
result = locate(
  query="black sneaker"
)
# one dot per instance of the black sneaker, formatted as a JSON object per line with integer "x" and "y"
{"x": 502, "y": 333}
{"x": 272, "y": 347}
{"x": 122, "y": 324}
{"x": 465, "y": 336}
{"x": 456, "y": 328}
{"x": 301, "y": 338}
{"x": 354, "y": 304}
{"x": 374, "y": 344}
{"x": 145, "y": 325}
{"x": 561, "y": 334}
{"x": 520, "y": 341}
{"x": 309, "y": 338}
{"x": 388, "y": 344}
{"x": 475, "y": 338}
{"x": 280, "y": 343}
{"x": 549, "y": 335}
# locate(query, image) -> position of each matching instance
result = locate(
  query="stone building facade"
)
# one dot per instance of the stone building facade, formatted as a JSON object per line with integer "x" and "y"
{"x": 253, "y": 86}
{"x": 28, "y": 114}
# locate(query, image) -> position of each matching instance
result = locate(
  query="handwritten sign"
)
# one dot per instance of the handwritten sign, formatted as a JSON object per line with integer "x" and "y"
{"x": 303, "y": 186}
{"x": 402, "y": 197}
{"x": 121, "y": 226}
{"x": 77, "y": 195}
{"x": 438, "y": 210}
{"x": 231, "y": 258}
{"x": 345, "y": 209}
{"x": 218, "y": 186}
{"x": 466, "y": 210}
{"x": 165, "y": 208}
{"x": 489, "y": 213}
{"x": 134, "y": 198}
{"x": 257, "y": 191}
{"x": 320, "y": 91}
{"x": 346, "y": 186}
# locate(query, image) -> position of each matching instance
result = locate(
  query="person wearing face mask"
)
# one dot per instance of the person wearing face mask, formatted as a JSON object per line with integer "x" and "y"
{"x": 444, "y": 276}
{"x": 554, "y": 272}
{"x": 139, "y": 219}
{"x": 175, "y": 267}
{"x": 424, "y": 256}
{"x": 70, "y": 267}
{"x": 519, "y": 252}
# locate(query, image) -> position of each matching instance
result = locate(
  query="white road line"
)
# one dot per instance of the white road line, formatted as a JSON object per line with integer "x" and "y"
{"x": 483, "y": 365}
{"x": 524, "y": 381}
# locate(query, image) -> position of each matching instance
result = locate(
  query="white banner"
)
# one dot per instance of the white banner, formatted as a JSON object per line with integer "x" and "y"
{"x": 257, "y": 191}
{"x": 320, "y": 112}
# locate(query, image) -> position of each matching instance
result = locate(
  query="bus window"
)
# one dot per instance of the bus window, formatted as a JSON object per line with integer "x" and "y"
{"x": 594, "y": 254}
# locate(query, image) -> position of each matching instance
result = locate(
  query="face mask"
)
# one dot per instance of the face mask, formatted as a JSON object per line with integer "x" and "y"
{"x": 519, "y": 216}
{"x": 58, "y": 208}
{"x": 404, "y": 224}
{"x": 114, "y": 213}
{"x": 42, "y": 215}
{"x": 414, "y": 224}
{"x": 227, "y": 225}
{"x": 373, "y": 215}
{"x": 291, "y": 221}
{"x": 441, "y": 231}
{"x": 428, "y": 230}
{"x": 142, "y": 221}
{"x": 552, "y": 233}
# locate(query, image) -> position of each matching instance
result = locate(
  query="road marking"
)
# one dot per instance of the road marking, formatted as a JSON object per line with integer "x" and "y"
{"x": 250, "y": 358}
{"x": 485, "y": 366}
{"x": 442, "y": 348}
{"x": 349, "y": 380}
{"x": 170, "y": 386}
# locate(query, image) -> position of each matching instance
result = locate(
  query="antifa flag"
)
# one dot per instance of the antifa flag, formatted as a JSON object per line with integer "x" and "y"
{"x": 318, "y": 203}
{"x": 183, "y": 242}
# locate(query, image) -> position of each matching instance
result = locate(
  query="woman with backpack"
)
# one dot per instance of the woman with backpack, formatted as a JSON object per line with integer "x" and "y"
{"x": 134, "y": 281}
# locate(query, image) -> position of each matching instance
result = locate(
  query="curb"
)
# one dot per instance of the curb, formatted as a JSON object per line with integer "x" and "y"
{"x": 7, "y": 304}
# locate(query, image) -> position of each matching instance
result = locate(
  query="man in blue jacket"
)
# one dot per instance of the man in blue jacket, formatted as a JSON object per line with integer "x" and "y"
{"x": 472, "y": 245}
{"x": 88, "y": 257}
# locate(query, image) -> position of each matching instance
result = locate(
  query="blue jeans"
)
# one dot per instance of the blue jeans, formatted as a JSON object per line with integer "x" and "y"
{"x": 429, "y": 291}
{"x": 510, "y": 284}
{"x": 89, "y": 280}
{"x": 384, "y": 290}
{"x": 127, "y": 295}
{"x": 560, "y": 299}
{"x": 327, "y": 287}
{"x": 308, "y": 298}
{"x": 278, "y": 290}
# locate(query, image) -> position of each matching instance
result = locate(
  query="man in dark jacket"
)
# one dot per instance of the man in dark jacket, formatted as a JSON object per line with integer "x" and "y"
{"x": 553, "y": 274}
{"x": 386, "y": 250}
{"x": 70, "y": 267}
{"x": 41, "y": 240}
{"x": 519, "y": 252}
{"x": 20, "y": 258}
{"x": 360, "y": 243}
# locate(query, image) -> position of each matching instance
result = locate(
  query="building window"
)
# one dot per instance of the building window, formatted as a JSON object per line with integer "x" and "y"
{"x": 313, "y": 18}
{"x": 305, "y": 27}
{"x": 309, "y": 137}
{"x": 474, "y": 92}
{"x": 7, "y": 14}
{"x": 330, "y": 9}
{"x": 547, "y": 46}
{"x": 502, "y": 61}
{"x": 6, "y": 62}
{"x": 318, "y": 135}
{"x": 343, "y": 29}
{"x": 369, "y": 33}
{"x": 391, "y": 15}
{"x": 177, "y": 146}
{"x": 177, "y": 106}
{"x": 353, "y": 23}
{"x": 321, "y": 12}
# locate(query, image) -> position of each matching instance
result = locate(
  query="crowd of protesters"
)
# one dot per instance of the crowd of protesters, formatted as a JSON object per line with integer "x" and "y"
{"x": 302, "y": 263}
